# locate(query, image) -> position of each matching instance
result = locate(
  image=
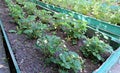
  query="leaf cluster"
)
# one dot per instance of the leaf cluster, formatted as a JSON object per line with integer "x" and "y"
{"x": 94, "y": 48}
{"x": 56, "y": 51}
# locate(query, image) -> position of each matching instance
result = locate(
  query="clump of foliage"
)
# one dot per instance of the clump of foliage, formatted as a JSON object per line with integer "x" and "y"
{"x": 115, "y": 18}
{"x": 58, "y": 20}
{"x": 35, "y": 29}
{"x": 73, "y": 28}
{"x": 56, "y": 51}
{"x": 51, "y": 44}
{"x": 29, "y": 7}
{"x": 31, "y": 28}
{"x": 43, "y": 15}
{"x": 16, "y": 11}
{"x": 94, "y": 48}
{"x": 69, "y": 60}
{"x": 25, "y": 22}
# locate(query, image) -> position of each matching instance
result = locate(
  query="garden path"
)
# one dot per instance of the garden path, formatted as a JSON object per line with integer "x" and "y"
{"x": 4, "y": 67}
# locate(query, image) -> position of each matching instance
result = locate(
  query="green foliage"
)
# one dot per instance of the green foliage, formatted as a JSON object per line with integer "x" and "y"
{"x": 72, "y": 27}
{"x": 43, "y": 15}
{"x": 35, "y": 30}
{"x": 25, "y": 22}
{"x": 16, "y": 11}
{"x": 99, "y": 9}
{"x": 115, "y": 18}
{"x": 54, "y": 48}
{"x": 20, "y": 1}
{"x": 69, "y": 60}
{"x": 31, "y": 28}
{"x": 12, "y": 31}
{"x": 94, "y": 48}
{"x": 51, "y": 44}
{"x": 31, "y": 21}
{"x": 58, "y": 21}
{"x": 29, "y": 7}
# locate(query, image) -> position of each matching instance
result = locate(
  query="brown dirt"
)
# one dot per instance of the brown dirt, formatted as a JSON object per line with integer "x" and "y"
{"x": 29, "y": 58}
{"x": 4, "y": 67}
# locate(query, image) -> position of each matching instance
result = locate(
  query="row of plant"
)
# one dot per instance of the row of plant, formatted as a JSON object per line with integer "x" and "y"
{"x": 103, "y": 10}
{"x": 36, "y": 24}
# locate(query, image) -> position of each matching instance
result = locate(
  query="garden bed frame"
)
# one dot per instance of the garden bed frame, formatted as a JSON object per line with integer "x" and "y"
{"x": 97, "y": 25}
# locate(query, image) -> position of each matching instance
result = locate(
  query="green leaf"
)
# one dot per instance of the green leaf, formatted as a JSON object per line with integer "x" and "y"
{"x": 28, "y": 31}
{"x": 12, "y": 31}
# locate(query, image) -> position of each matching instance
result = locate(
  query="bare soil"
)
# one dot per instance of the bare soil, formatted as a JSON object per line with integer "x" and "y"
{"x": 29, "y": 58}
{"x": 4, "y": 67}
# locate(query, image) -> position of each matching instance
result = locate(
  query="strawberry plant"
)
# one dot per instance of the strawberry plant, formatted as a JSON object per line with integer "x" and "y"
{"x": 58, "y": 20}
{"x": 25, "y": 22}
{"x": 29, "y": 7}
{"x": 51, "y": 45}
{"x": 31, "y": 28}
{"x": 54, "y": 48}
{"x": 68, "y": 60}
{"x": 35, "y": 30}
{"x": 94, "y": 48}
{"x": 43, "y": 15}
{"x": 16, "y": 11}
{"x": 72, "y": 27}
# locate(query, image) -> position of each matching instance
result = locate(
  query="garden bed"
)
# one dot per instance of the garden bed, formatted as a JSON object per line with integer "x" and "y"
{"x": 102, "y": 26}
{"x": 30, "y": 59}
{"x": 96, "y": 9}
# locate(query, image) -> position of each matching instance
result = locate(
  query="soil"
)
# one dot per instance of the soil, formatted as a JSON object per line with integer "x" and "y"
{"x": 4, "y": 67}
{"x": 29, "y": 58}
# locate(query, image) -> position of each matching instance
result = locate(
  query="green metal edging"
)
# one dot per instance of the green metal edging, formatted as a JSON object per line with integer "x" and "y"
{"x": 109, "y": 29}
{"x": 105, "y": 67}
{"x": 10, "y": 49}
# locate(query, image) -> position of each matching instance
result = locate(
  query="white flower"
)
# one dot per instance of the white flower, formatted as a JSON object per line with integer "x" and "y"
{"x": 38, "y": 42}
{"x": 63, "y": 41}
{"x": 62, "y": 17}
{"x": 45, "y": 41}
{"x": 64, "y": 45}
{"x": 101, "y": 41}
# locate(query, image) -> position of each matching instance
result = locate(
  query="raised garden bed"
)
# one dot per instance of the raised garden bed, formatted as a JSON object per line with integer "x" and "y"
{"x": 109, "y": 64}
{"x": 103, "y": 10}
{"x": 102, "y": 26}
{"x": 31, "y": 59}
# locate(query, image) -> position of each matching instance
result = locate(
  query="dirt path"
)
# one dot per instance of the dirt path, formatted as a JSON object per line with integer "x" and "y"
{"x": 4, "y": 68}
